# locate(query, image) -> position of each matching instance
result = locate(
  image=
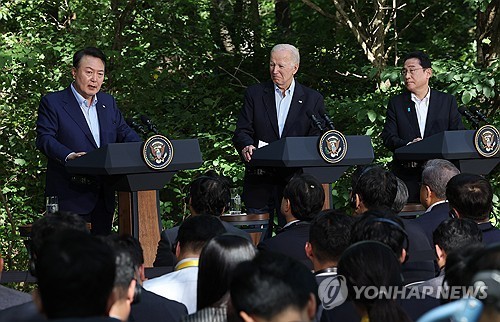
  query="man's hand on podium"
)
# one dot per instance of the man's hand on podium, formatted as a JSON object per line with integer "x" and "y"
{"x": 247, "y": 152}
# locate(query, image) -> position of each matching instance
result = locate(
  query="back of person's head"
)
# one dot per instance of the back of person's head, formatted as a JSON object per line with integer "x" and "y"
{"x": 381, "y": 225}
{"x": 270, "y": 284}
{"x": 436, "y": 173}
{"x": 424, "y": 59}
{"x": 209, "y": 194}
{"x": 88, "y": 51}
{"x": 375, "y": 187}
{"x": 371, "y": 263}
{"x": 306, "y": 196}
{"x": 75, "y": 275}
{"x": 330, "y": 235}
{"x": 456, "y": 263}
{"x": 53, "y": 223}
{"x": 218, "y": 260}
{"x": 470, "y": 195}
{"x": 455, "y": 233}
{"x": 126, "y": 258}
{"x": 401, "y": 197}
{"x": 196, "y": 231}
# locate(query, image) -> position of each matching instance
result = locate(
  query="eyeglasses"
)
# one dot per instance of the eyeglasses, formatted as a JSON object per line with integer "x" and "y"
{"x": 411, "y": 71}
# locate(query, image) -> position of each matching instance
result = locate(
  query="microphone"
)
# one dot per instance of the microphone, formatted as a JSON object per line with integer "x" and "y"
{"x": 465, "y": 112}
{"x": 479, "y": 114}
{"x": 328, "y": 120}
{"x": 315, "y": 120}
{"x": 136, "y": 126}
{"x": 146, "y": 121}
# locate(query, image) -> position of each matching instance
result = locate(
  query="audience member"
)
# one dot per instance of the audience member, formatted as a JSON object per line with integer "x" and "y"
{"x": 273, "y": 287}
{"x": 471, "y": 196}
{"x": 450, "y": 235}
{"x": 303, "y": 198}
{"x": 374, "y": 187}
{"x": 42, "y": 229}
{"x": 218, "y": 260}
{"x": 208, "y": 195}
{"x": 147, "y": 306}
{"x": 75, "y": 275}
{"x": 375, "y": 264}
{"x": 435, "y": 176}
{"x": 181, "y": 284}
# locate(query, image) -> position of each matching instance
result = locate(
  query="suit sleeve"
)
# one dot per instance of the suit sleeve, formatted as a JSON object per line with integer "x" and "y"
{"x": 243, "y": 135}
{"x": 47, "y": 128}
{"x": 390, "y": 135}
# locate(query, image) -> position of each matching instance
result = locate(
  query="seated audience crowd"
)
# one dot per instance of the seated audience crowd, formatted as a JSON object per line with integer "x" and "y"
{"x": 376, "y": 264}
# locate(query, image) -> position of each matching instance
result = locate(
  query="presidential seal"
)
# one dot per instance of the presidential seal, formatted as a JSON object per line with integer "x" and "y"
{"x": 332, "y": 146}
{"x": 486, "y": 140}
{"x": 157, "y": 152}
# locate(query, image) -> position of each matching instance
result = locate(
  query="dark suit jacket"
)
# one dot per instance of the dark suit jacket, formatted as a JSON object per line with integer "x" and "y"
{"x": 258, "y": 119}
{"x": 290, "y": 241}
{"x": 153, "y": 307}
{"x": 491, "y": 234}
{"x": 401, "y": 124}
{"x": 62, "y": 129}
{"x": 420, "y": 265}
{"x": 430, "y": 220}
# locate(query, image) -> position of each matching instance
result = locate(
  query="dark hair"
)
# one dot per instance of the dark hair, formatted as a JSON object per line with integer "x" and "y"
{"x": 454, "y": 233}
{"x": 424, "y": 59}
{"x": 209, "y": 194}
{"x": 53, "y": 223}
{"x": 330, "y": 234}
{"x": 88, "y": 51}
{"x": 382, "y": 226}
{"x": 373, "y": 263}
{"x": 75, "y": 274}
{"x": 306, "y": 196}
{"x": 125, "y": 266}
{"x": 130, "y": 244}
{"x": 471, "y": 195}
{"x": 270, "y": 284}
{"x": 401, "y": 197}
{"x": 218, "y": 260}
{"x": 436, "y": 173}
{"x": 455, "y": 272}
{"x": 196, "y": 231}
{"x": 376, "y": 187}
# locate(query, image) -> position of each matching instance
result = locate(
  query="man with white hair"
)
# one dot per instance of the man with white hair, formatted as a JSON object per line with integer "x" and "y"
{"x": 273, "y": 110}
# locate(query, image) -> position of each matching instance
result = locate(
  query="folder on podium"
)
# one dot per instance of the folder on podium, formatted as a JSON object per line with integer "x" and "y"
{"x": 455, "y": 146}
{"x": 121, "y": 165}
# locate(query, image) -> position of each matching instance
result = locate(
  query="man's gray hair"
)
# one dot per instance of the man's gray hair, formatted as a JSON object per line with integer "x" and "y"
{"x": 401, "y": 197}
{"x": 292, "y": 49}
{"x": 436, "y": 174}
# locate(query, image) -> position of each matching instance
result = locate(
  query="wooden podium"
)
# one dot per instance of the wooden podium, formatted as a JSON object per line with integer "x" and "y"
{"x": 121, "y": 166}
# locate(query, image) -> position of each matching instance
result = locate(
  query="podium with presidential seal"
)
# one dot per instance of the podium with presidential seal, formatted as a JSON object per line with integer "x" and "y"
{"x": 137, "y": 171}
{"x": 326, "y": 157}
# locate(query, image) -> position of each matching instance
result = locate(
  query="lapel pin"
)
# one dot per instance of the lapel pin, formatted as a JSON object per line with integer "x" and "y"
{"x": 408, "y": 110}
{"x": 103, "y": 106}
{"x": 300, "y": 101}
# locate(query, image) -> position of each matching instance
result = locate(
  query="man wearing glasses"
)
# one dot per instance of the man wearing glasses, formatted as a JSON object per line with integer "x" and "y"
{"x": 416, "y": 114}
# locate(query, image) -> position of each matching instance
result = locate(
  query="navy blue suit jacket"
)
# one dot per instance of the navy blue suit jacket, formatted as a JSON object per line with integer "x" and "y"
{"x": 61, "y": 129}
{"x": 258, "y": 119}
{"x": 430, "y": 220}
{"x": 401, "y": 124}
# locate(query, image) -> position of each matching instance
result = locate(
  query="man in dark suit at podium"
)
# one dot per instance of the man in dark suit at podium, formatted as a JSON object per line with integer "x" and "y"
{"x": 73, "y": 122}
{"x": 416, "y": 114}
{"x": 271, "y": 111}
